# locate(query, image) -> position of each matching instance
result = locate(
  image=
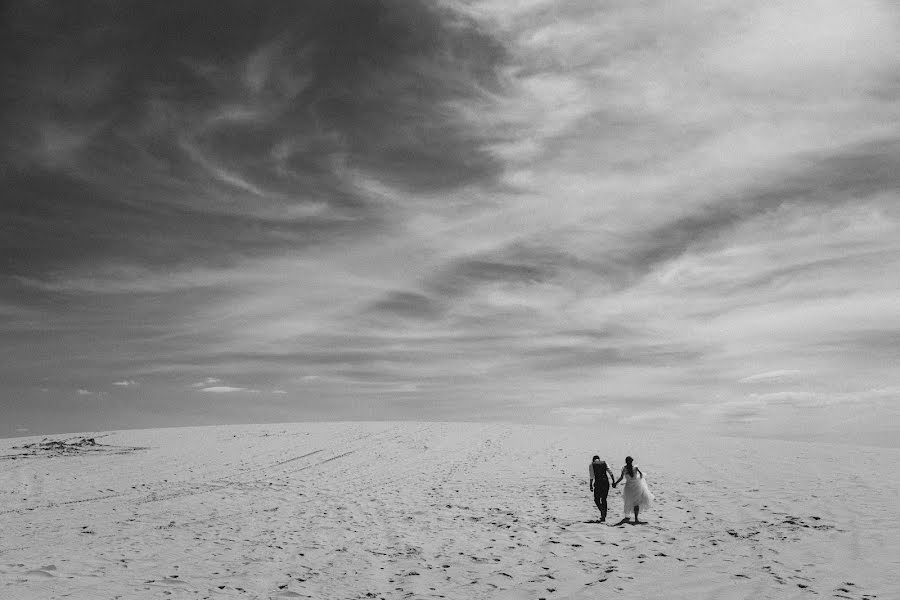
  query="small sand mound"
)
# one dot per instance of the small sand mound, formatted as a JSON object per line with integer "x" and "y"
{"x": 66, "y": 447}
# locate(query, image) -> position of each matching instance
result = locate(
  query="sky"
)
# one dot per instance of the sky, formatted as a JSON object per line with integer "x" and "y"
{"x": 671, "y": 214}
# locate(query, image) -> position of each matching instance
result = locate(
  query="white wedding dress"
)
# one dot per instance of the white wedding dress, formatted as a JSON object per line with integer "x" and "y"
{"x": 636, "y": 493}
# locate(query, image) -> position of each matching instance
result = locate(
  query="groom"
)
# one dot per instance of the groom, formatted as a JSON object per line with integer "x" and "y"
{"x": 600, "y": 484}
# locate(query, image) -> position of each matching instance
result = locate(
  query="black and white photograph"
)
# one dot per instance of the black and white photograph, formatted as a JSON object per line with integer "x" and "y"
{"x": 449, "y": 299}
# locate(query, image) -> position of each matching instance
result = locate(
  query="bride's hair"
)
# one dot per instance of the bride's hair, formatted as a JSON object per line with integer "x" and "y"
{"x": 628, "y": 466}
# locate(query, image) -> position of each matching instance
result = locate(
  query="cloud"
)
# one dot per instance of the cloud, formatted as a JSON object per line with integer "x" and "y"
{"x": 83, "y": 392}
{"x": 420, "y": 209}
{"x": 778, "y": 397}
{"x": 777, "y": 375}
{"x": 785, "y": 47}
{"x": 406, "y": 304}
{"x": 660, "y": 417}
{"x": 237, "y": 120}
{"x": 125, "y": 383}
{"x": 581, "y": 410}
{"x": 819, "y": 411}
{"x": 223, "y": 389}
{"x": 815, "y": 400}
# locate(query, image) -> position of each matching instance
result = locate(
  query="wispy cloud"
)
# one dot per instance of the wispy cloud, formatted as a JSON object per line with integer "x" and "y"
{"x": 209, "y": 381}
{"x": 222, "y": 389}
{"x": 518, "y": 206}
{"x": 658, "y": 417}
{"x": 125, "y": 383}
{"x": 581, "y": 414}
{"x": 777, "y": 375}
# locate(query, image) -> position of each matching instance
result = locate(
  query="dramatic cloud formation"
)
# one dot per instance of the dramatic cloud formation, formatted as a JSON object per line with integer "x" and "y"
{"x": 645, "y": 212}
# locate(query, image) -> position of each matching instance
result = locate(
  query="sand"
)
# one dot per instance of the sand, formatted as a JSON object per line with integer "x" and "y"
{"x": 440, "y": 510}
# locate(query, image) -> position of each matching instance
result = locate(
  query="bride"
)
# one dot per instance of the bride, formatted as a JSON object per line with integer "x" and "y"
{"x": 636, "y": 493}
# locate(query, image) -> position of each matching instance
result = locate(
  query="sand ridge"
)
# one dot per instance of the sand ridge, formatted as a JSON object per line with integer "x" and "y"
{"x": 441, "y": 510}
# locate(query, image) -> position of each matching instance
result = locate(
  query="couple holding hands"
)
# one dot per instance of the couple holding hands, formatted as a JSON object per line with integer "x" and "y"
{"x": 636, "y": 494}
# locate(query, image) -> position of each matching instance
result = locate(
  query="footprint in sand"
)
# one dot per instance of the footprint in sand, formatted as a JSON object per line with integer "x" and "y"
{"x": 42, "y": 572}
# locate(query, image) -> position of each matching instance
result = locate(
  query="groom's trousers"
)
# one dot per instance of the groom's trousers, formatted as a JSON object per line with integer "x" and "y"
{"x": 600, "y": 493}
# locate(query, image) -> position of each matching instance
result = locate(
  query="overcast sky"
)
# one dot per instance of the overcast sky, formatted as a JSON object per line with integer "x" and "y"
{"x": 629, "y": 213}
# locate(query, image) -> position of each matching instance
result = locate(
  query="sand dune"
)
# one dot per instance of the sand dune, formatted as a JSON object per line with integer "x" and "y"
{"x": 439, "y": 510}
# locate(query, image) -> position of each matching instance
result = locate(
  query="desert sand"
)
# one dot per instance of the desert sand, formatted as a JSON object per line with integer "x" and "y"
{"x": 440, "y": 510}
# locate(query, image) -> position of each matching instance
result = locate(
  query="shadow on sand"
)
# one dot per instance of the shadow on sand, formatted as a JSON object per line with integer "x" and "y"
{"x": 627, "y": 521}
